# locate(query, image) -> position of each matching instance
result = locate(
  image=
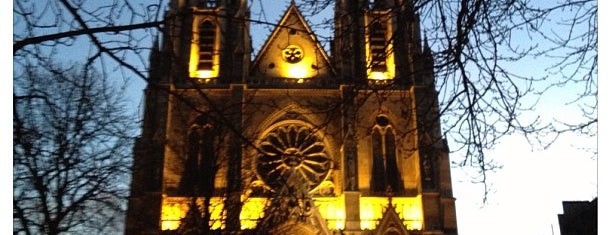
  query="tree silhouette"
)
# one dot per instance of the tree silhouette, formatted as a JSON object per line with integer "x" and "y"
{"x": 72, "y": 136}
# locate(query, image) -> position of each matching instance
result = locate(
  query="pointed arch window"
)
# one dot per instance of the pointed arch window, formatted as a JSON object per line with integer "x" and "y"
{"x": 379, "y": 46}
{"x": 199, "y": 169}
{"x": 207, "y": 36}
{"x": 204, "y": 58}
{"x": 385, "y": 173}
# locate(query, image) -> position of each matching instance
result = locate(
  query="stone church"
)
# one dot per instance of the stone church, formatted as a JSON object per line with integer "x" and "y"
{"x": 298, "y": 139}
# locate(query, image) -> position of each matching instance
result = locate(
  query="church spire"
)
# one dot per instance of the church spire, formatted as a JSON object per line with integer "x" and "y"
{"x": 426, "y": 48}
{"x": 154, "y": 56}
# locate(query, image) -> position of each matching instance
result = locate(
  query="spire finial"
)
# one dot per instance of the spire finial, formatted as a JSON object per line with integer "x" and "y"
{"x": 426, "y": 48}
{"x": 156, "y": 42}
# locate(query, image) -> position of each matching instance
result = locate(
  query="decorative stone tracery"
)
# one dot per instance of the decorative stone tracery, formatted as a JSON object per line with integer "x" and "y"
{"x": 292, "y": 154}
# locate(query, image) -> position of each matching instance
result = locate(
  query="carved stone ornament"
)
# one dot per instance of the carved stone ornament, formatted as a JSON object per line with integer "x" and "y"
{"x": 292, "y": 154}
{"x": 293, "y": 54}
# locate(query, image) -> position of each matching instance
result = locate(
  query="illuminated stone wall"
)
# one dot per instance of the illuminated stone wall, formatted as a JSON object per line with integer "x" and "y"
{"x": 332, "y": 210}
{"x": 292, "y": 94}
{"x": 292, "y": 51}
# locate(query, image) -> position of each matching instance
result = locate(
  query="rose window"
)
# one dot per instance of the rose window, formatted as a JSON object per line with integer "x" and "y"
{"x": 292, "y": 152}
{"x": 293, "y": 54}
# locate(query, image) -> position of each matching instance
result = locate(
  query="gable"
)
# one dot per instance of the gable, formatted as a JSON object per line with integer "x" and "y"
{"x": 292, "y": 51}
{"x": 391, "y": 223}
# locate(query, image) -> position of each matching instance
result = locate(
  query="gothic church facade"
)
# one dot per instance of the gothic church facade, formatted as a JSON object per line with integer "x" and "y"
{"x": 296, "y": 140}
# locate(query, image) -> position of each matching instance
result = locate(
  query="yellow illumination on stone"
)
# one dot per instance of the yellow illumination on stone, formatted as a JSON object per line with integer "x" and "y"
{"x": 172, "y": 212}
{"x": 332, "y": 209}
{"x": 175, "y": 208}
{"x": 193, "y": 64}
{"x": 414, "y": 225}
{"x": 305, "y": 68}
{"x": 296, "y": 71}
{"x": 292, "y": 51}
{"x": 378, "y": 75}
{"x": 252, "y": 210}
{"x": 371, "y": 210}
{"x": 205, "y": 74}
{"x": 194, "y": 58}
{"x": 390, "y": 58}
{"x": 409, "y": 210}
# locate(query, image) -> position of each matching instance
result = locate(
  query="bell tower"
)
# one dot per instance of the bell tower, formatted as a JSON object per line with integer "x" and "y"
{"x": 377, "y": 40}
{"x": 210, "y": 39}
{"x": 293, "y": 140}
{"x": 204, "y": 43}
